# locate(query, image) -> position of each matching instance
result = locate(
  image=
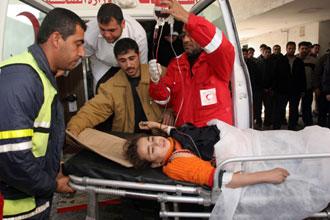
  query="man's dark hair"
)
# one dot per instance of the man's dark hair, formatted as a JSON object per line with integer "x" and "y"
{"x": 61, "y": 20}
{"x": 108, "y": 11}
{"x": 124, "y": 45}
{"x": 291, "y": 43}
{"x": 251, "y": 48}
{"x": 263, "y": 46}
{"x": 244, "y": 50}
{"x": 304, "y": 43}
{"x": 276, "y": 45}
{"x": 315, "y": 45}
{"x": 268, "y": 48}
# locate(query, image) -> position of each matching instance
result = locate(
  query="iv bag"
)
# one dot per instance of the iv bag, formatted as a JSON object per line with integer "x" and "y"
{"x": 159, "y": 8}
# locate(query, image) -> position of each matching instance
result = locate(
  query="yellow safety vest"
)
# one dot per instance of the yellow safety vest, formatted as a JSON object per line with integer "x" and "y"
{"x": 39, "y": 132}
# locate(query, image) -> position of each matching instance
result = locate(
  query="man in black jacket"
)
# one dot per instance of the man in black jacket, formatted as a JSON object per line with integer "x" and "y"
{"x": 280, "y": 86}
{"x": 263, "y": 88}
{"x": 324, "y": 104}
{"x": 294, "y": 68}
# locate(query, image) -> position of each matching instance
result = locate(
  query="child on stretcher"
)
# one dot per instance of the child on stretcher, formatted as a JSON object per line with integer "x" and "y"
{"x": 186, "y": 154}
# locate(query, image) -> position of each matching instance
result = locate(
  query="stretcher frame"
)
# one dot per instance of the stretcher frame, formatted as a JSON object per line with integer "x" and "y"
{"x": 171, "y": 194}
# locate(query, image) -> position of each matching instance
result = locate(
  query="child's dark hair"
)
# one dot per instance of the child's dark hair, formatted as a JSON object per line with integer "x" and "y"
{"x": 131, "y": 153}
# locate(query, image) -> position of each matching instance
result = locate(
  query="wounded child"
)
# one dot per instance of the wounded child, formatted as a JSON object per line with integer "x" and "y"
{"x": 188, "y": 153}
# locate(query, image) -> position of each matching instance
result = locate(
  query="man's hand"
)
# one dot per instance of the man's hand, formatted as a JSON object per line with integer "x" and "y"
{"x": 328, "y": 97}
{"x": 154, "y": 70}
{"x": 62, "y": 185}
{"x": 176, "y": 10}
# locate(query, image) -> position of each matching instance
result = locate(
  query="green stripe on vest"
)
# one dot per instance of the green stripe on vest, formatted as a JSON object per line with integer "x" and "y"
{"x": 15, "y": 207}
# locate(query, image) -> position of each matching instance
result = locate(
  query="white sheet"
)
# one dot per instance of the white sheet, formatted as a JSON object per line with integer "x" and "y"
{"x": 305, "y": 192}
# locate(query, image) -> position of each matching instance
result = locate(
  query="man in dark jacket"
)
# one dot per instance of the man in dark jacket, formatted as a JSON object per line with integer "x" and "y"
{"x": 312, "y": 83}
{"x": 251, "y": 64}
{"x": 32, "y": 122}
{"x": 297, "y": 83}
{"x": 263, "y": 88}
{"x": 324, "y": 104}
{"x": 280, "y": 86}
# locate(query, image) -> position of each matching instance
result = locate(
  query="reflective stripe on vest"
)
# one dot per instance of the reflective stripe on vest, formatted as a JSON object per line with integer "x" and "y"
{"x": 16, "y": 133}
{"x": 26, "y": 204}
{"x": 40, "y": 133}
{"x": 36, "y": 211}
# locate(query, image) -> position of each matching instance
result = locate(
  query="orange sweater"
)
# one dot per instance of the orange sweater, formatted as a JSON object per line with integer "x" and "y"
{"x": 183, "y": 165}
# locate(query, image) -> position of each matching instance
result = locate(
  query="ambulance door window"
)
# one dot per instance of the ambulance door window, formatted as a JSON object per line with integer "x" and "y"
{"x": 21, "y": 26}
{"x": 213, "y": 13}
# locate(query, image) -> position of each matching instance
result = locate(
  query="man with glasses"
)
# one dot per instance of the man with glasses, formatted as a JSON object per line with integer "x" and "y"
{"x": 196, "y": 84}
{"x": 101, "y": 36}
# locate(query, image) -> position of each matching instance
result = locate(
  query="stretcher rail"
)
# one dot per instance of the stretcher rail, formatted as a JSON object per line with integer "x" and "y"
{"x": 138, "y": 186}
{"x": 263, "y": 158}
{"x": 163, "y": 214}
{"x": 162, "y": 197}
{"x": 171, "y": 193}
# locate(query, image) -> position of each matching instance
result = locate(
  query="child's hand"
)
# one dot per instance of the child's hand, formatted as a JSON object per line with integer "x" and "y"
{"x": 147, "y": 125}
{"x": 144, "y": 125}
{"x": 276, "y": 176}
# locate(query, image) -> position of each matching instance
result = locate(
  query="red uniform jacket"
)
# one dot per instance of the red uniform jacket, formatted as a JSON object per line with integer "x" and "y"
{"x": 199, "y": 93}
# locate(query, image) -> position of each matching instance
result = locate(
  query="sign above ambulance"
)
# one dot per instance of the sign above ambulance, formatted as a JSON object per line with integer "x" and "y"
{"x": 141, "y": 9}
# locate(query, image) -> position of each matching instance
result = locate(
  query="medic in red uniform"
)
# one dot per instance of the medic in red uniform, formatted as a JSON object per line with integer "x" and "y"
{"x": 196, "y": 84}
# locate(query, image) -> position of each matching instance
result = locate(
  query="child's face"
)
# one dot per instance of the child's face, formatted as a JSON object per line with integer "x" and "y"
{"x": 153, "y": 149}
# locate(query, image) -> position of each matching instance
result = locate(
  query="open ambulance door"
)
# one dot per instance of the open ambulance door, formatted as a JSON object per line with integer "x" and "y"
{"x": 220, "y": 14}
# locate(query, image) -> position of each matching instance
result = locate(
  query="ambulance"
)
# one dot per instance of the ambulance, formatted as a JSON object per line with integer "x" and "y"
{"x": 20, "y": 19}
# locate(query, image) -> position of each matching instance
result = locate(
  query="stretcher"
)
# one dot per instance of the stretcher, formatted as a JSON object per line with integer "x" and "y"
{"x": 96, "y": 175}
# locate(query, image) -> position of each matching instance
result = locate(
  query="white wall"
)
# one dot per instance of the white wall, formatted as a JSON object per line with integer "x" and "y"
{"x": 244, "y": 9}
{"x": 324, "y": 38}
{"x": 307, "y": 32}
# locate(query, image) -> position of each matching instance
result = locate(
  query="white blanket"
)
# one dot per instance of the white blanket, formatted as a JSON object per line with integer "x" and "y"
{"x": 305, "y": 192}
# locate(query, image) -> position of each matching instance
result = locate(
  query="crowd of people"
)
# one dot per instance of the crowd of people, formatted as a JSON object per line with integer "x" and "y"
{"x": 297, "y": 80}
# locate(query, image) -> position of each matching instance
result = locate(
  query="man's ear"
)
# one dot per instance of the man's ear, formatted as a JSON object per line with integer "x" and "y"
{"x": 55, "y": 38}
{"x": 155, "y": 165}
{"x": 123, "y": 24}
